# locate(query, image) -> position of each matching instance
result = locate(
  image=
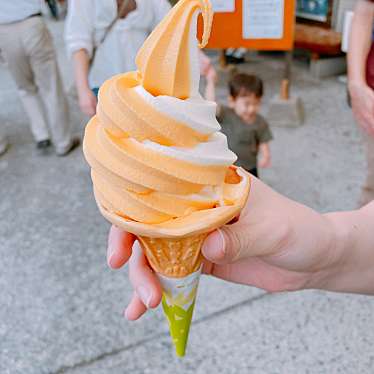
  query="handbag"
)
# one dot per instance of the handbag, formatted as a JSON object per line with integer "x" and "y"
{"x": 53, "y": 8}
{"x": 121, "y": 10}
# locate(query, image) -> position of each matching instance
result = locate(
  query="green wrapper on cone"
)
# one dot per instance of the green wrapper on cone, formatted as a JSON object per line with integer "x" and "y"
{"x": 178, "y": 302}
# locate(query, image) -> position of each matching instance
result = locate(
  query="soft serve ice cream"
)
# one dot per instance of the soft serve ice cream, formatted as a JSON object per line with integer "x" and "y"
{"x": 154, "y": 146}
{"x": 161, "y": 168}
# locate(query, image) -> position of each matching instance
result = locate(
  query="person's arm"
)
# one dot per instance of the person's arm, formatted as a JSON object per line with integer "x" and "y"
{"x": 264, "y": 137}
{"x": 210, "y": 87}
{"x": 79, "y": 36}
{"x": 87, "y": 99}
{"x": 265, "y": 155}
{"x": 210, "y": 90}
{"x": 208, "y": 71}
{"x": 362, "y": 96}
{"x": 277, "y": 245}
{"x": 353, "y": 253}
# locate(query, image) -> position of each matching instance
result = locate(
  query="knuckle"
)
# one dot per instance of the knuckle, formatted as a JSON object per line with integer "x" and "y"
{"x": 236, "y": 243}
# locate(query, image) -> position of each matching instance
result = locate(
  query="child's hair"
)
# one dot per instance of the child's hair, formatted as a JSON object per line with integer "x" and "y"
{"x": 246, "y": 84}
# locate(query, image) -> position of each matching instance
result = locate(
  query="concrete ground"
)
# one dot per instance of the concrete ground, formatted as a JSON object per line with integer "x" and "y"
{"x": 61, "y": 307}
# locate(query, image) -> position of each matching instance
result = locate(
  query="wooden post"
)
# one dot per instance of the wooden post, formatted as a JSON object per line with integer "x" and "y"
{"x": 222, "y": 59}
{"x": 285, "y": 85}
{"x": 285, "y": 89}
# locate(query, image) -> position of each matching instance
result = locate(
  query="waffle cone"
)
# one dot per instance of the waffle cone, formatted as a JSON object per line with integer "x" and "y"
{"x": 172, "y": 257}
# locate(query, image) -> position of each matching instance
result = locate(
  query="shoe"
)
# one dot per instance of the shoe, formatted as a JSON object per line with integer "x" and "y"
{"x": 75, "y": 142}
{"x": 4, "y": 145}
{"x": 234, "y": 60}
{"x": 43, "y": 146}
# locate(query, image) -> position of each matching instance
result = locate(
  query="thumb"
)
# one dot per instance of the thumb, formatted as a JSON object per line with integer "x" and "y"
{"x": 226, "y": 245}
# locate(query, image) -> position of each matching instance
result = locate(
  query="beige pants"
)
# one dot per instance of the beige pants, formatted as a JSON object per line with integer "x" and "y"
{"x": 28, "y": 50}
{"x": 368, "y": 187}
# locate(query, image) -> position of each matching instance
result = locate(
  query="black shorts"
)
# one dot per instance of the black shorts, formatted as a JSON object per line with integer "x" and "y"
{"x": 254, "y": 172}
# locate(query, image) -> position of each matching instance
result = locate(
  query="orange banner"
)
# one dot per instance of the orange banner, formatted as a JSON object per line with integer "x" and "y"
{"x": 255, "y": 24}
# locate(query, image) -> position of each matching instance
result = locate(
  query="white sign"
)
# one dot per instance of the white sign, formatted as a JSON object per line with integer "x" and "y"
{"x": 263, "y": 19}
{"x": 223, "y": 6}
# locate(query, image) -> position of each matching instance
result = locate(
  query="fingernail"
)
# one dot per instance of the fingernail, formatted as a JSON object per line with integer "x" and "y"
{"x": 145, "y": 295}
{"x": 222, "y": 241}
{"x": 110, "y": 255}
{"x": 215, "y": 246}
{"x": 125, "y": 314}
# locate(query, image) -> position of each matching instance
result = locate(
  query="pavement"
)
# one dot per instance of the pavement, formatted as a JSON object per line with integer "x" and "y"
{"x": 61, "y": 306}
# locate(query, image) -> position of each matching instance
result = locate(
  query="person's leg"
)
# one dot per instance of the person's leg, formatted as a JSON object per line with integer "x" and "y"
{"x": 368, "y": 188}
{"x": 239, "y": 53}
{"x": 19, "y": 67}
{"x": 48, "y": 80}
{"x": 235, "y": 56}
{"x": 33, "y": 107}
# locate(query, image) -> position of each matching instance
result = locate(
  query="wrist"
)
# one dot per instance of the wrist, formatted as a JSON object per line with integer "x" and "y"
{"x": 333, "y": 256}
{"x": 357, "y": 83}
{"x": 83, "y": 89}
{"x": 348, "y": 264}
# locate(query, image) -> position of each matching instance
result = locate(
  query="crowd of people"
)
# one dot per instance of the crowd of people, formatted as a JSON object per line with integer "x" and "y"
{"x": 102, "y": 39}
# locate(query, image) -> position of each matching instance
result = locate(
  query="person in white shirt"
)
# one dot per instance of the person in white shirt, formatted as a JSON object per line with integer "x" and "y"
{"x": 27, "y": 47}
{"x": 86, "y": 24}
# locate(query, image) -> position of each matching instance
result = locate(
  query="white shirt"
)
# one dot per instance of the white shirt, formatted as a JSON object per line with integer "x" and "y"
{"x": 18, "y": 10}
{"x": 87, "y": 21}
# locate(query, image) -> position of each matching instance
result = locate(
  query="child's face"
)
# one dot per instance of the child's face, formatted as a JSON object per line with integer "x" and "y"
{"x": 246, "y": 106}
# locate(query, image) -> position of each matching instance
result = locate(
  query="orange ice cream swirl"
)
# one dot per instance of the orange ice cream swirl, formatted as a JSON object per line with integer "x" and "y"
{"x": 154, "y": 146}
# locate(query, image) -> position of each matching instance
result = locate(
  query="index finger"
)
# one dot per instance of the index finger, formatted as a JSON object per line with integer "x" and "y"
{"x": 119, "y": 247}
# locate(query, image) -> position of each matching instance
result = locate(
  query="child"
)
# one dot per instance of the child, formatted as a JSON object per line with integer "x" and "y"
{"x": 247, "y": 132}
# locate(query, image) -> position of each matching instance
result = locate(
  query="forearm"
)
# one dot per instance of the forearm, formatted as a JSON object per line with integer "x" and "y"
{"x": 210, "y": 94}
{"x": 265, "y": 150}
{"x": 81, "y": 63}
{"x": 210, "y": 91}
{"x": 352, "y": 253}
{"x": 360, "y": 41}
{"x": 265, "y": 159}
